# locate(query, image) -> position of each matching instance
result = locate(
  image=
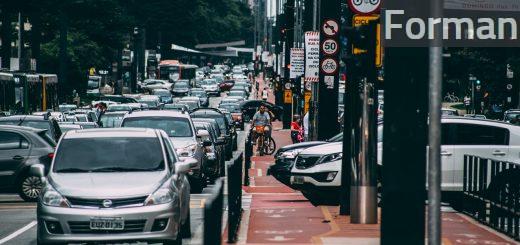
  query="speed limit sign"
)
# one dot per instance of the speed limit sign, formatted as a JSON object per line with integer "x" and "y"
{"x": 329, "y": 47}
{"x": 364, "y": 6}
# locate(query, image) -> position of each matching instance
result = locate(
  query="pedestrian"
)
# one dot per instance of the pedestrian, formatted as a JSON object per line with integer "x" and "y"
{"x": 102, "y": 108}
{"x": 306, "y": 126}
{"x": 296, "y": 129}
{"x": 467, "y": 103}
{"x": 265, "y": 94}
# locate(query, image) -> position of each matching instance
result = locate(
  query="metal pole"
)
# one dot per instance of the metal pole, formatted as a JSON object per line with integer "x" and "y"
{"x": 434, "y": 129}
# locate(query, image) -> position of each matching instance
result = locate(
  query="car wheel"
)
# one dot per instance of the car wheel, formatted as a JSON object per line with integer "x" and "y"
{"x": 186, "y": 227}
{"x": 29, "y": 188}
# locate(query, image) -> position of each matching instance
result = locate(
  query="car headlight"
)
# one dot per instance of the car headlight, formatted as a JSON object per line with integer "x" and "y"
{"x": 162, "y": 195}
{"x": 187, "y": 151}
{"x": 291, "y": 154}
{"x": 332, "y": 157}
{"x": 53, "y": 198}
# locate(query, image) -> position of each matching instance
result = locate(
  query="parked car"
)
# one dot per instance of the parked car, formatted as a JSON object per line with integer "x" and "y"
{"x": 20, "y": 148}
{"x": 250, "y": 107}
{"x": 180, "y": 130}
{"x": 202, "y": 95}
{"x": 41, "y": 122}
{"x": 181, "y": 88}
{"x": 129, "y": 195}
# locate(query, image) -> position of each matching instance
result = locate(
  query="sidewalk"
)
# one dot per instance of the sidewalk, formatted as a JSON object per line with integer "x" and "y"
{"x": 277, "y": 214}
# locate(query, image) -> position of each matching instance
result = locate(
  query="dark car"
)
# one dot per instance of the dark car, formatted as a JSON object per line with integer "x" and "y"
{"x": 236, "y": 113}
{"x": 214, "y": 152}
{"x": 21, "y": 147}
{"x": 223, "y": 124}
{"x": 250, "y": 107}
{"x": 220, "y": 142}
{"x": 203, "y": 96}
{"x": 40, "y": 122}
{"x": 285, "y": 156}
{"x": 181, "y": 88}
{"x": 227, "y": 85}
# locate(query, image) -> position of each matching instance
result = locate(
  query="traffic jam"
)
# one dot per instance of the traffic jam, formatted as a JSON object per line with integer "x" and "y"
{"x": 136, "y": 167}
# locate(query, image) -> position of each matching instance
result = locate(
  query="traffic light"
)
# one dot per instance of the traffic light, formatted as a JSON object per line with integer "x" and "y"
{"x": 362, "y": 39}
{"x": 477, "y": 82}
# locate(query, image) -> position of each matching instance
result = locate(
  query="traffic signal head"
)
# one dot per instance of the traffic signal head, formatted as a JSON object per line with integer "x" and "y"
{"x": 477, "y": 82}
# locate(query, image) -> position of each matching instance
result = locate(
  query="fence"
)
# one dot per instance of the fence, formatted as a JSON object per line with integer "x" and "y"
{"x": 234, "y": 181}
{"x": 491, "y": 193}
{"x": 213, "y": 215}
{"x": 248, "y": 153}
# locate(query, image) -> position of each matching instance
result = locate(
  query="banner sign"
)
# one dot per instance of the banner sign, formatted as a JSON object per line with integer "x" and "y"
{"x": 312, "y": 56}
{"x": 297, "y": 63}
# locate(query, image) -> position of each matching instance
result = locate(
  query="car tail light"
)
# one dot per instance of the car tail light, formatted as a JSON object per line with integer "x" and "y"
{"x": 51, "y": 155}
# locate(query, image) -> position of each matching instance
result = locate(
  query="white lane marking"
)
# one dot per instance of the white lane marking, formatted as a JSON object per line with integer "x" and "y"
{"x": 18, "y": 232}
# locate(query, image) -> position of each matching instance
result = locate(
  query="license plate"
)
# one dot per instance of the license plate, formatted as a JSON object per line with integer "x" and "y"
{"x": 298, "y": 180}
{"x": 107, "y": 224}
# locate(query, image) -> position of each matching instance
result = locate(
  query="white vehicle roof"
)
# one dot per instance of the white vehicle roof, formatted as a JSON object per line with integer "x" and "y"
{"x": 111, "y": 132}
{"x": 164, "y": 113}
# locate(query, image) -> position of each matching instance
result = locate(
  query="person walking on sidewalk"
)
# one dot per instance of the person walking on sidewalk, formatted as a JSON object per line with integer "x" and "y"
{"x": 265, "y": 94}
{"x": 296, "y": 130}
{"x": 467, "y": 103}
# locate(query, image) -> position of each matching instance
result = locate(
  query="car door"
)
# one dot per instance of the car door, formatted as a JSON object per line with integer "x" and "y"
{"x": 480, "y": 140}
{"x": 180, "y": 180}
{"x": 14, "y": 150}
{"x": 448, "y": 156}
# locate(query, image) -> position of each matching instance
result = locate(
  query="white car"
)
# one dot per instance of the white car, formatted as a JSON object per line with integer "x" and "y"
{"x": 314, "y": 167}
{"x": 151, "y": 84}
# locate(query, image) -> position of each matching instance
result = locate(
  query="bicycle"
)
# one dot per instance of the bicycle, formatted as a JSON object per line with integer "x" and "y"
{"x": 266, "y": 143}
{"x": 451, "y": 98}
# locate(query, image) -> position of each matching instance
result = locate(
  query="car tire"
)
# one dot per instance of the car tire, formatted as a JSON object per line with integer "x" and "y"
{"x": 29, "y": 187}
{"x": 186, "y": 227}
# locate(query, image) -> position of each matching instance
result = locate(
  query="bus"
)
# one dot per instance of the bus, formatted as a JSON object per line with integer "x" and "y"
{"x": 7, "y": 97}
{"x": 26, "y": 92}
{"x": 173, "y": 70}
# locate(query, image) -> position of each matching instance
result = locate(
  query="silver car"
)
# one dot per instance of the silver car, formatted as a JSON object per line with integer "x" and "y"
{"x": 179, "y": 127}
{"x": 107, "y": 185}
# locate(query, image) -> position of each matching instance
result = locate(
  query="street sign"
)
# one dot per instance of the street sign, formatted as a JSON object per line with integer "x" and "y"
{"x": 364, "y": 6}
{"x": 92, "y": 71}
{"x": 330, "y": 28}
{"x": 297, "y": 63}
{"x": 287, "y": 96}
{"x": 360, "y": 20}
{"x": 287, "y": 85}
{"x": 329, "y": 82}
{"x": 329, "y": 66}
{"x": 509, "y": 86}
{"x": 330, "y": 47}
{"x": 312, "y": 56}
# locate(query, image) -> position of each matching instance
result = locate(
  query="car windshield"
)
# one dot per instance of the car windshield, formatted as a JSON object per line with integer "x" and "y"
{"x": 191, "y": 104}
{"x": 114, "y": 154}
{"x": 236, "y": 93}
{"x": 511, "y": 115}
{"x": 174, "y": 127}
{"x": 111, "y": 120}
{"x": 230, "y": 107}
{"x": 180, "y": 85}
{"x": 198, "y": 93}
{"x": 162, "y": 92}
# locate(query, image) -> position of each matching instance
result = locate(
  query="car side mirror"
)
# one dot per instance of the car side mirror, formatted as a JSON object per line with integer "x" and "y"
{"x": 37, "y": 170}
{"x": 182, "y": 167}
{"x": 202, "y": 133}
{"x": 189, "y": 162}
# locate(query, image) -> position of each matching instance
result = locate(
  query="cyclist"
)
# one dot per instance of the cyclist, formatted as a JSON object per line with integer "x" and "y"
{"x": 261, "y": 122}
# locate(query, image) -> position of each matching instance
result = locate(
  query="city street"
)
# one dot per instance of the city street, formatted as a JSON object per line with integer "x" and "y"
{"x": 18, "y": 218}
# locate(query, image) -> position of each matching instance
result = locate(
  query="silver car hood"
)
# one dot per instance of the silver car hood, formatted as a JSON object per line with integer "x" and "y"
{"x": 107, "y": 185}
{"x": 181, "y": 142}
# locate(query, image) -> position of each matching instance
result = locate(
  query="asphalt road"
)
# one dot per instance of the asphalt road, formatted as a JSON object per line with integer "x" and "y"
{"x": 18, "y": 218}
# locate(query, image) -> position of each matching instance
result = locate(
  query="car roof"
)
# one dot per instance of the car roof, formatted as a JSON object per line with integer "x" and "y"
{"x": 23, "y": 118}
{"x": 111, "y": 132}
{"x": 458, "y": 119}
{"x": 162, "y": 113}
{"x": 108, "y": 113}
{"x": 21, "y": 128}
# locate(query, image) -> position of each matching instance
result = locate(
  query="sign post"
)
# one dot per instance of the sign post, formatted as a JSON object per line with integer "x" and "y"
{"x": 327, "y": 108}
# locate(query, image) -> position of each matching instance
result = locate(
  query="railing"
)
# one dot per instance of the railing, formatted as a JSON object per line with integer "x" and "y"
{"x": 213, "y": 215}
{"x": 234, "y": 181}
{"x": 248, "y": 153}
{"x": 491, "y": 193}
